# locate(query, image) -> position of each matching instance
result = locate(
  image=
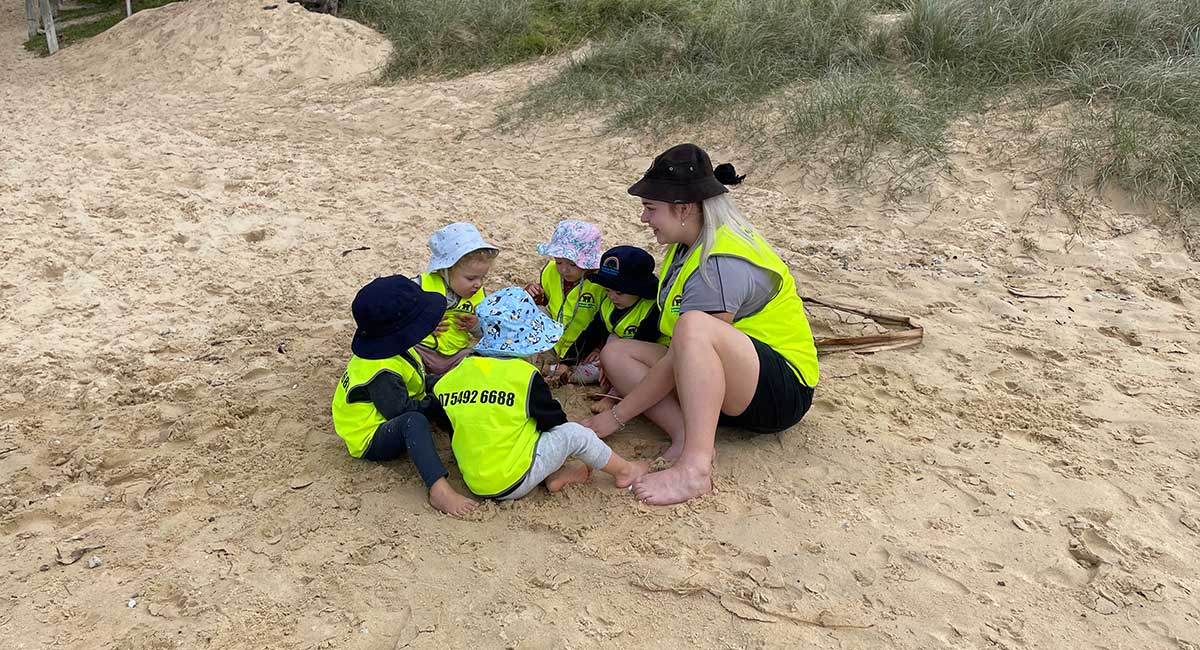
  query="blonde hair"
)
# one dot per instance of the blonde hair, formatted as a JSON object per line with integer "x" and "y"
{"x": 477, "y": 255}
{"x": 717, "y": 212}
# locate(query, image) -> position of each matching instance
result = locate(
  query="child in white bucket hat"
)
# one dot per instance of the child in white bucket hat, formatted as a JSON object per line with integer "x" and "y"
{"x": 458, "y": 265}
{"x": 510, "y": 434}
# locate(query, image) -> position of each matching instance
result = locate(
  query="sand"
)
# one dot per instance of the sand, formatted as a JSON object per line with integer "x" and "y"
{"x": 181, "y": 233}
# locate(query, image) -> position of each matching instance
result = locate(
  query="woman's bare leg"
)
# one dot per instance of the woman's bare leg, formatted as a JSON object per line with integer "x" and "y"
{"x": 716, "y": 369}
{"x": 626, "y": 364}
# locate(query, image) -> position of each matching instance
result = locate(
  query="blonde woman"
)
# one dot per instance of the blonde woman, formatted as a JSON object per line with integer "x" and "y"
{"x": 741, "y": 351}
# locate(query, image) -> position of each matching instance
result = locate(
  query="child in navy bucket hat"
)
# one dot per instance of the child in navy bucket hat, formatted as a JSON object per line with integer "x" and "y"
{"x": 628, "y": 311}
{"x": 510, "y": 434}
{"x": 380, "y": 407}
{"x": 459, "y": 263}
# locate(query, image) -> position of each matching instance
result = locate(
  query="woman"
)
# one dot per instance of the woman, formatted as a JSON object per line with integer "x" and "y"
{"x": 741, "y": 352}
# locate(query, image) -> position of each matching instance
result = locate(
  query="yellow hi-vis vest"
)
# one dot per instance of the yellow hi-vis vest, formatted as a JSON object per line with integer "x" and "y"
{"x": 573, "y": 311}
{"x": 355, "y": 417}
{"x": 781, "y": 324}
{"x": 487, "y": 402}
{"x": 627, "y": 327}
{"x": 455, "y": 339}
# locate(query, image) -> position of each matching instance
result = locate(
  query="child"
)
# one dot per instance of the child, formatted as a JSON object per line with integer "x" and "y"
{"x": 459, "y": 262}
{"x": 379, "y": 406}
{"x": 570, "y": 298}
{"x": 509, "y": 432}
{"x": 630, "y": 310}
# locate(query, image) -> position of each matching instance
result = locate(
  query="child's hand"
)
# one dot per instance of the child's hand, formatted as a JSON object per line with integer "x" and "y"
{"x": 536, "y": 292}
{"x": 466, "y": 322}
{"x": 442, "y": 327}
{"x": 591, "y": 359}
{"x": 558, "y": 374}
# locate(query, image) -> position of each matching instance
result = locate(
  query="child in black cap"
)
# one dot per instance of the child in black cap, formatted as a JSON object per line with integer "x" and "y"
{"x": 380, "y": 408}
{"x": 629, "y": 310}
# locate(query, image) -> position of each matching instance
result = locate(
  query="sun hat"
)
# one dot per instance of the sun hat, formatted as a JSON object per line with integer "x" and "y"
{"x": 448, "y": 245}
{"x": 627, "y": 269}
{"x": 513, "y": 326}
{"x": 578, "y": 241}
{"x": 684, "y": 174}
{"x": 393, "y": 314}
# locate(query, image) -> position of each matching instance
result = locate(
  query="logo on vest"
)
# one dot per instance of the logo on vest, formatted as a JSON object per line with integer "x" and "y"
{"x": 676, "y": 302}
{"x": 465, "y": 306}
{"x": 587, "y": 301}
{"x": 630, "y": 332}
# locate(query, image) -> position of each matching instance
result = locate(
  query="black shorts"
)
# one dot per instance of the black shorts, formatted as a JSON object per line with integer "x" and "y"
{"x": 780, "y": 399}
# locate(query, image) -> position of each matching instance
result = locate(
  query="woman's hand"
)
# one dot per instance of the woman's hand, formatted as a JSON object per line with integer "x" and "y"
{"x": 442, "y": 327}
{"x": 604, "y": 424}
{"x": 536, "y": 292}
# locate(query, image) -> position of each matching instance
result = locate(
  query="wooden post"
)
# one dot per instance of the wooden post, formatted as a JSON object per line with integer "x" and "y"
{"x": 128, "y": 8}
{"x": 48, "y": 24}
{"x": 31, "y": 17}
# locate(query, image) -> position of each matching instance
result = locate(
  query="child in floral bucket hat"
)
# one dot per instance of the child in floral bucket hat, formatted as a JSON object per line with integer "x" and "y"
{"x": 570, "y": 297}
{"x": 459, "y": 263}
{"x": 510, "y": 434}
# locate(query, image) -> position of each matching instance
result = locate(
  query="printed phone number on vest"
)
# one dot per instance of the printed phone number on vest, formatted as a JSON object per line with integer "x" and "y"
{"x": 498, "y": 397}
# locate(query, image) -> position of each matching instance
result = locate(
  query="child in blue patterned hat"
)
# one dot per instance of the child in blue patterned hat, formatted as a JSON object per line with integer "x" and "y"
{"x": 510, "y": 434}
{"x": 458, "y": 265}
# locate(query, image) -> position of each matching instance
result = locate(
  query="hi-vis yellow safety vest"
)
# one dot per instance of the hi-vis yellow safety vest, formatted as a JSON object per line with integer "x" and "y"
{"x": 573, "y": 311}
{"x": 355, "y": 417}
{"x": 455, "y": 339}
{"x": 486, "y": 400}
{"x": 781, "y": 324}
{"x": 627, "y": 327}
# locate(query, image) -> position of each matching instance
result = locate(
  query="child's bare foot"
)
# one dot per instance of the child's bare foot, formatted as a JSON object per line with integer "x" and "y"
{"x": 444, "y": 498}
{"x": 603, "y": 404}
{"x": 632, "y": 470}
{"x": 568, "y": 474}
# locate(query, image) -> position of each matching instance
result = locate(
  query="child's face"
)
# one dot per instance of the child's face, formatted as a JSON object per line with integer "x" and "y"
{"x": 621, "y": 300}
{"x": 468, "y": 277}
{"x": 568, "y": 270}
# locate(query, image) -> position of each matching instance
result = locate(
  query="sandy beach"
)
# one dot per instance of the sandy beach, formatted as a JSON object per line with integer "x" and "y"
{"x": 189, "y": 202}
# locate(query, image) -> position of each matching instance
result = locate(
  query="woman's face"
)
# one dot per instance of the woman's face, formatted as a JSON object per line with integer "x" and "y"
{"x": 665, "y": 219}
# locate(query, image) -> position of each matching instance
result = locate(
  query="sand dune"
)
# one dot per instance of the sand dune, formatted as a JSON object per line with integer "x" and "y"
{"x": 183, "y": 206}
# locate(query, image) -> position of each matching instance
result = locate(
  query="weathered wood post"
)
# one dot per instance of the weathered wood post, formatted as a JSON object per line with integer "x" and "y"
{"x": 31, "y": 18}
{"x": 48, "y": 24}
{"x": 128, "y": 8}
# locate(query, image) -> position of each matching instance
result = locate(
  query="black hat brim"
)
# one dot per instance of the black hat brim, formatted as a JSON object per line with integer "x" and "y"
{"x": 430, "y": 307}
{"x": 670, "y": 191}
{"x": 644, "y": 287}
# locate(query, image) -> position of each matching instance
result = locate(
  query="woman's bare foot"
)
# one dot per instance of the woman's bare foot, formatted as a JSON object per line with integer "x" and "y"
{"x": 675, "y": 485}
{"x": 630, "y": 472}
{"x": 672, "y": 453}
{"x": 444, "y": 498}
{"x": 603, "y": 404}
{"x": 568, "y": 474}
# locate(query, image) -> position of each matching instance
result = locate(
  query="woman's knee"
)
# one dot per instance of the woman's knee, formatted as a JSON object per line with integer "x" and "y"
{"x": 692, "y": 328}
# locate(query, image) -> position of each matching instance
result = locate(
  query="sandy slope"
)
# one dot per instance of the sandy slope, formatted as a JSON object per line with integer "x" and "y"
{"x": 174, "y": 294}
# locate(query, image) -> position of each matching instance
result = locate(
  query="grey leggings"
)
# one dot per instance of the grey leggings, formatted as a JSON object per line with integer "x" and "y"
{"x": 553, "y": 448}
